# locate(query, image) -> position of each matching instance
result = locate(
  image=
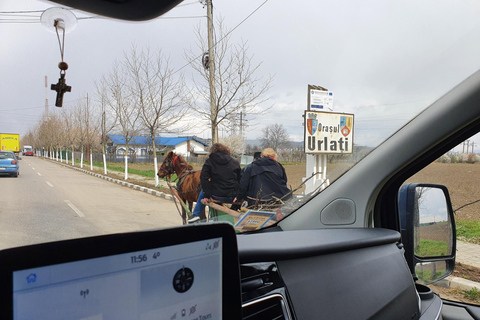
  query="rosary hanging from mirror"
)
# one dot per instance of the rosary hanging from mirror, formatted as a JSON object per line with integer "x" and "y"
{"x": 61, "y": 87}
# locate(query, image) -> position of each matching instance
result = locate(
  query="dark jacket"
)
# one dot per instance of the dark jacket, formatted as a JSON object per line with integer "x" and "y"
{"x": 263, "y": 174}
{"x": 220, "y": 175}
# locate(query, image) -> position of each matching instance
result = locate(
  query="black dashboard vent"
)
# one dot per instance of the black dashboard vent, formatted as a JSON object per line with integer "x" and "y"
{"x": 267, "y": 308}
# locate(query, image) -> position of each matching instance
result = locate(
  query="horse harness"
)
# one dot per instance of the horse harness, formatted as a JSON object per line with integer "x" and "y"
{"x": 168, "y": 169}
{"x": 182, "y": 179}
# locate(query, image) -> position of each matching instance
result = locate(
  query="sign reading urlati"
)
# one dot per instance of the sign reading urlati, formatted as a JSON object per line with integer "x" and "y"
{"x": 328, "y": 132}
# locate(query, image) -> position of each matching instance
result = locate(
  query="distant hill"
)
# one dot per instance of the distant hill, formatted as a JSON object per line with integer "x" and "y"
{"x": 253, "y": 142}
{"x": 257, "y": 143}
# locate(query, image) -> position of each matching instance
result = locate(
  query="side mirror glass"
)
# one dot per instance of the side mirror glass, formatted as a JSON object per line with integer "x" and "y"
{"x": 428, "y": 230}
{"x": 432, "y": 228}
{"x": 428, "y": 272}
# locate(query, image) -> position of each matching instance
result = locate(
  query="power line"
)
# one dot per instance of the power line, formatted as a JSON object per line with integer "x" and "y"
{"x": 186, "y": 4}
{"x": 226, "y": 35}
{"x": 186, "y": 17}
{"x": 30, "y": 11}
{"x": 390, "y": 104}
{"x": 50, "y": 105}
{"x": 27, "y": 18}
{"x": 18, "y": 15}
{"x": 17, "y": 21}
{"x": 241, "y": 22}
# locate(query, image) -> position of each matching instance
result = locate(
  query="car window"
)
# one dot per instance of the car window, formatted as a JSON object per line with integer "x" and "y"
{"x": 111, "y": 97}
{"x": 458, "y": 170}
{"x": 6, "y": 155}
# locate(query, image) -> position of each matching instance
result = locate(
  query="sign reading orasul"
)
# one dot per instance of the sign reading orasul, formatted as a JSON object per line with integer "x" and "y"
{"x": 328, "y": 132}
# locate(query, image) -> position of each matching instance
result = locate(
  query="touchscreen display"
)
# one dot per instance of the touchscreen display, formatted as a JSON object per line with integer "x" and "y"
{"x": 181, "y": 282}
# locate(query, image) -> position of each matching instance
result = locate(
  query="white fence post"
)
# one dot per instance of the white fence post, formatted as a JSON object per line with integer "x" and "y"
{"x": 156, "y": 169}
{"x": 126, "y": 166}
{"x": 104, "y": 164}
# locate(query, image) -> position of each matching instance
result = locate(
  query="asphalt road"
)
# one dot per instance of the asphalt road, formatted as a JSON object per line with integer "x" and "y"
{"x": 49, "y": 202}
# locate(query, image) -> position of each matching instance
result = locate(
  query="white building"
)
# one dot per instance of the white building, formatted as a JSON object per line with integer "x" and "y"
{"x": 141, "y": 145}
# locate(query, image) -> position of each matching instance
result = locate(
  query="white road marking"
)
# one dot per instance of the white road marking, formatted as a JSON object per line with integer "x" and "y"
{"x": 39, "y": 173}
{"x": 78, "y": 212}
{"x": 49, "y": 184}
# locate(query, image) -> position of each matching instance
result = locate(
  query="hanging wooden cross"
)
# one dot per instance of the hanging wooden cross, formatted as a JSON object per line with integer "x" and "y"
{"x": 61, "y": 87}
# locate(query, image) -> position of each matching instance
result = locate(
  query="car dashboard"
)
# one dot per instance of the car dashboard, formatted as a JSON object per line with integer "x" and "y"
{"x": 329, "y": 274}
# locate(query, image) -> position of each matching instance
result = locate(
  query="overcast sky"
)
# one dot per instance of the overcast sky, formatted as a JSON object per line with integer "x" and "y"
{"x": 384, "y": 60}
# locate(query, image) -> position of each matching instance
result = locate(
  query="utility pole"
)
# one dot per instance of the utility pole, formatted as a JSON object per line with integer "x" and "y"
{"x": 211, "y": 69}
{"x": 46, "y": 97}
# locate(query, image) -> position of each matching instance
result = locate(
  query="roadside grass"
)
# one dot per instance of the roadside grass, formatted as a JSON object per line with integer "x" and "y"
{"x": 431, "y": 248}
{"x": 143, "y": 169}
{"x": 472, "y": 294}
{"x": 149, "y": 173}
{"x": 468, "y": 231}
{"x": 426, "y": 275}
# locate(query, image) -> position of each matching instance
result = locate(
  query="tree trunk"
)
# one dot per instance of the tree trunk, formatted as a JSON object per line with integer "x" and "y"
{"x": 214, "y": 131}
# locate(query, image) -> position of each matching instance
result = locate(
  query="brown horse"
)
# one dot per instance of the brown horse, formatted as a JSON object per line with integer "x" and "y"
{"x": 188, "y": 180}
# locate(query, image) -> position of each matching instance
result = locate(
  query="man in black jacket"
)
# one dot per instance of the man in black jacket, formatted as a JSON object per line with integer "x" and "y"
{"x": 263, "y": 179}
{"x": 220, "y": 178}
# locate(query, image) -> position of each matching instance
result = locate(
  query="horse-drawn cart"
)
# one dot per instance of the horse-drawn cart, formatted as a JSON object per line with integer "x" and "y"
{"x": 187, "y": 189}
{"x": 244, "y": 220}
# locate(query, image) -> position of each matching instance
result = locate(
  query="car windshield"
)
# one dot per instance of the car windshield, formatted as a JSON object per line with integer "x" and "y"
{"x": 120, "y": 115}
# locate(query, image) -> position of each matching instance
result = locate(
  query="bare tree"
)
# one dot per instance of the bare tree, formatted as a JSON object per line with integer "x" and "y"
{"x": 71, "y": 134}
{"x": 57, "y": 133}
{"x": 122, "y": 104}
{"x": 275, "y": 136}
{"x": 237, "y": 88}
{"x": 107, "y": 118}
{"x": 158, "y": 92}
{"x": 85, "y": 127}
{"x": 49, "y": 133}
{"x": 28, "y": 139}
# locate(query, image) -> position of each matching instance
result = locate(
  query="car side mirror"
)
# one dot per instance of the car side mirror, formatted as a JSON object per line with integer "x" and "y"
{"x": 428, "y": 232}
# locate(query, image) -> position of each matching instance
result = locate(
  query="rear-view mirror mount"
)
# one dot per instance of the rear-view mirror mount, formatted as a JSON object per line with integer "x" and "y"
{"x": 133, "y": 10}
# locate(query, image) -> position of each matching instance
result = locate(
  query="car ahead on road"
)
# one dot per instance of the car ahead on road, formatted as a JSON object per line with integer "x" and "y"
{"x": 365, "y": 247}
{"x": 27, "y": 151}
{"x": 9, "y": 164}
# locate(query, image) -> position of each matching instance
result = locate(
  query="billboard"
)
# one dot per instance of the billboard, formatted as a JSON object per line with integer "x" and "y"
{"x": 328, "y": 132}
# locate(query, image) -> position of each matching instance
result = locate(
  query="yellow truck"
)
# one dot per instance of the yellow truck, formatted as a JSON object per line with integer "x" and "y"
{"x": 10, "y": 142}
